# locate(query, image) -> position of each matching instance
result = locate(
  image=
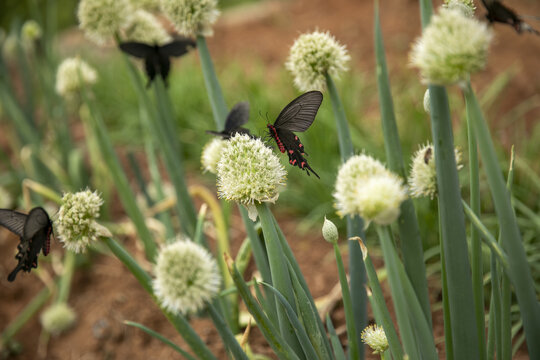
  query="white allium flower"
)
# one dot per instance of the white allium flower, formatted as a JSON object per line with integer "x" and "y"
{"x": 5, "y": 198}
{"x": 423, "y": 177}
{"x": 375, "y": 337}
{"x": 427, "y": 102}
{"x": 150, "y": 5}
{"x": 192, "y": 17}
{"x": 249, "y": 172}
{"x": 72, "y": 74}
{"x": 57, "y": 318}
{"x": 145, "y": 27}
{"x": 314, "y": 55}
{"x": 76, "y": 224}
{"x": 187, "y": 276}
{"x": 101, "y": 20}
{"x": 330, "y": 231}
{"x": 211, "y": 154}
{"x": 366, "y": 188}
{"x": 452, "y": 47}
{"x": 467, "y": 7}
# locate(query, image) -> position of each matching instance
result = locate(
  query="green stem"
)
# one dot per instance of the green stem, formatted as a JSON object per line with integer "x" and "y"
{"x": 454, "y": 237}
{"x": 219, "y": 107}
{"x": 520, "y": 273}
{"x": 67, "y": 275}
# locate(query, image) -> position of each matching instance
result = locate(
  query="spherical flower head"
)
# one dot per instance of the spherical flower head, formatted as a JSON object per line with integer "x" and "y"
{"x": 466, "y": 7}
{"x": 452, "y": 47}
{"x": 187, "y": 276}
{"x": 76, "y": 224}
{"x": 72, "y": 74}
{"x": 249, "y": 172}
{"x": 366, "y": 188}
{"x": 57, "y": 318}
{"x": 330, "y": 231}
{"x": 423, "y": 177}
{"x": 150, "y": 5}
{"x": 375, "y": 337}
{"x": 192, "y": 17}
{"x": 211, "y": 154}
{"x": 314, "y": 55}
{"x": 145, "y": 28}
{"x": 101, "y": 20}
{"x": 31, "y": 31}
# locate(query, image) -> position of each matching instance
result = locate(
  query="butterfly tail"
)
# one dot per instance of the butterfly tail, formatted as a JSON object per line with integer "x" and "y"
{"x": 13, "y": 274}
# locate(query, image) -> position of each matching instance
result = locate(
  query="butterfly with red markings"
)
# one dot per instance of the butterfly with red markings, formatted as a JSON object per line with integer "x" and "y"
{"x": 497, "y": 12}
{"x": 297, "y": 116}
{"x": 157, "y": 58}
{"x": 238, "y": 116}
{"x": 34, "y": 231}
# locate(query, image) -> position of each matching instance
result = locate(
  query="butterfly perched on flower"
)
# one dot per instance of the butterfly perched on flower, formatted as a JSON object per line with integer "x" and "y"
{"x": 34, "y": 231}
{"x": 157, "y": 58}
{"x": 238, "y": 116}
{"x": 497, "y": 12}
{"x": 297, "y": 116}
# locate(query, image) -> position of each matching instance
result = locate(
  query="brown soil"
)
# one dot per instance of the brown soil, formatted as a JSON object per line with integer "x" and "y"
{"x": 105, "y": 294}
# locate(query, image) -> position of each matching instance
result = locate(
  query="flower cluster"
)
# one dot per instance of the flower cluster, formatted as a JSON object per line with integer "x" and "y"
{"x": 423, "y": 178}
{"x": 211, "y": 154}
{"x": 467, "y": 7}
{"x": 57, "y": 318}
{"x": 71, "y": 75}
{"x": 366, "y": 188}
{"x": 101, "y": 20}
{"x": 248, "y": 171}
{"x": 76, "y": 224}
{"x": 192, "y": 17}
{"x": 452, "y": 47}
{"x": 375, "y": 337}
{"x": 145, "y": 27}
{"x": 312, "y": 57}
{"x": 187, "y": 277}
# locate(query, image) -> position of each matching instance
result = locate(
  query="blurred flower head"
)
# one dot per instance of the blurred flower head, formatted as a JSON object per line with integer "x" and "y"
{"x": 57, "y": 318}
{"x": 314, "y": 55}
{"x": 76, "y": 224}
{"x": 187, "y": 277}
{"x": 423, "y": 177}
{"x": 330, "y": 231}
{"x": 101, "y": 20}
{"x": 72, "y": 74}
{"x": 150, "y": 5}
{"x": 192, "y": 17}
{"x": 452, "y": 47}
{"x": 366, "y": 188}
{"x": 467, "y": 7}
{"x": 211, "y": 154}
{"x": 5, "y": 198}
{"x": 145, "y": 28}
{"x": 249, "y": 172}
{"x": 375, "y": 337}
{"x": 30, "y": 32}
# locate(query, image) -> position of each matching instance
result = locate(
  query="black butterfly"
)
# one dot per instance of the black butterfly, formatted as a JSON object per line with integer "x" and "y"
{"x": 157, "y": 58}
{"x": 238, "y": 116}
{"x": 298, "y": 115}
{"x": 34, "y": 230}
{"x": 497, "y": 12}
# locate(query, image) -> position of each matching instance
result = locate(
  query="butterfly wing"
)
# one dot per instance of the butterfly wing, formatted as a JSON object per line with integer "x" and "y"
{"x": 238, "y": 116}
{"x": 137, "y": 49}
{"x": 36, "y": 221}
{"x": 177, "y": 47}
{"x": 299, "y": 114}
{"x": 13, "y": 221}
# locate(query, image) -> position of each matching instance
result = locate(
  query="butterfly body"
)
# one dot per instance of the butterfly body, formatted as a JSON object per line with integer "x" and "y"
{"x": 34, "y": 231}
{"x": 238, "y": 116}
{"x": 298, "y": 115}
{"x": 157, "y": 58}
{"x": 497, "y": 12}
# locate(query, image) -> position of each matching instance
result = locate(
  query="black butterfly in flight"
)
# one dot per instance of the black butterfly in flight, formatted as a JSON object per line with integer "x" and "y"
{"x": 34, "y": 230}
{"x": 157, "y": 58}
{"x": 238, "y": 116}
{"x": 298, "y": 115}
{"x": 497, "y": 12}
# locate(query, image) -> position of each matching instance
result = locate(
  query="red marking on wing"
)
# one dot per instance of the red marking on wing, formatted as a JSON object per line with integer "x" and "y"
{"x": 275, "y": 136}
{"x": 302, "y": 164}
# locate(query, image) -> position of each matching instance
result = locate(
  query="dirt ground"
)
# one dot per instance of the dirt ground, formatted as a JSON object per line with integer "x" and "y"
{"x": 106, "y": 294}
